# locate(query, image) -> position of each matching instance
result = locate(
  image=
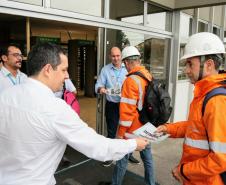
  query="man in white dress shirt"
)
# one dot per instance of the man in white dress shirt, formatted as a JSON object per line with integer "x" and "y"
{"x": 10, "y": 74}
{"x": 36, "y": 126}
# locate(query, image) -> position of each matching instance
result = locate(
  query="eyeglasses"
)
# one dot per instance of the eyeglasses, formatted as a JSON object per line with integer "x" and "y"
{"x": 17, "y": 55}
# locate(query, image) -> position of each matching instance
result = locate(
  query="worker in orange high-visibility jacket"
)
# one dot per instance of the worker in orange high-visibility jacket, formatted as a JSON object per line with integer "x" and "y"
{"x": 132, "y": 96}
{"x": 204, "y": 148}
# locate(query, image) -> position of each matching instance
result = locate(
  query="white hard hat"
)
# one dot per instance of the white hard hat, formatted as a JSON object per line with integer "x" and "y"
{"x": 129, "y": 51}
{"x": 203, "y": 43}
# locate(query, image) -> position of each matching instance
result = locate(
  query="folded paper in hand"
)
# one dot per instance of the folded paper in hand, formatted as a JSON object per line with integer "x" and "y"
{"x": 148, "y": 131}
{"x": 113, "y": 92}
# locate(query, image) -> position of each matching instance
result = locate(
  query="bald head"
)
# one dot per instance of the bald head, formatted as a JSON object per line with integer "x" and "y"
{"x": 115, "y": 56}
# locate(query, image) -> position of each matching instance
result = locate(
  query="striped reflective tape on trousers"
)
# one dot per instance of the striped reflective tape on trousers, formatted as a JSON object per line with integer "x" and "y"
{"x": 219, "y": 147}
{"x": 125, "y": 123}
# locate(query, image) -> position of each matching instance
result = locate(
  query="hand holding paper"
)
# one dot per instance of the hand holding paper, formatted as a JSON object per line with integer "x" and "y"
{"x": 148, "y": 131}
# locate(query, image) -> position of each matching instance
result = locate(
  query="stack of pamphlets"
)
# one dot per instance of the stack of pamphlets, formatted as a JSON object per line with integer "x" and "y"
{"x": 148, "y": 131}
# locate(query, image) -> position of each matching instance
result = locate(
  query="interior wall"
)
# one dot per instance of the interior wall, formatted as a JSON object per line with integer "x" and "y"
{"x": 62, "y": 32}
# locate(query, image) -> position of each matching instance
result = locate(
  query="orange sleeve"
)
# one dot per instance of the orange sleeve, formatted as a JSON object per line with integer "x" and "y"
{"x": 215, "y": 122}
{"x": 128, "y": 106}
{"x": 178, "y": 129}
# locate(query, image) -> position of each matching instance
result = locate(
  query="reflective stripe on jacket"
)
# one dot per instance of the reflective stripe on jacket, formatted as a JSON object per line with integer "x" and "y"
{"x": 132, "y": 96}
{"x": 204, "y": 150}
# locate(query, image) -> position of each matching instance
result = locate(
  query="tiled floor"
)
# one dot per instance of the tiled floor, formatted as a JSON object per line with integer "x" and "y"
{"x": 88, "y": 110}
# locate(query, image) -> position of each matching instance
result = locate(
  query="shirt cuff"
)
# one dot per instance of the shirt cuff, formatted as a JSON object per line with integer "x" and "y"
{"x": 133, "y": 144}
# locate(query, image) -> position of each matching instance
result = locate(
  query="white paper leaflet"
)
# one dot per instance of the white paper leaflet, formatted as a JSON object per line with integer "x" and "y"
{"x": 148, "y": 131}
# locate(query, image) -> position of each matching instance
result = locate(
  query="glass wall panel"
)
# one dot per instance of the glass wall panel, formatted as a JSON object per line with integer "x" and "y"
{"x": 33, "y": 2}
{"x": 216, "y": 30}
{"x": 217, "y": 15}
{"x": 185, "y": 32}
{"x": 225, "y": 36}
{"x": 158, "y": 18}
{"x": 127, "y": 11}
{"x": 89, "y": 7}
{"x": 204, "y": 13}
{"x": 156, "y": 57}
{"x": 202, "y": 26}
{"x": 154, "y": 51}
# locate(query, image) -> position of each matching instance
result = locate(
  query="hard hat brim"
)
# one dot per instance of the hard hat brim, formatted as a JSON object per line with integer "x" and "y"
{"x": 198, "y": 54}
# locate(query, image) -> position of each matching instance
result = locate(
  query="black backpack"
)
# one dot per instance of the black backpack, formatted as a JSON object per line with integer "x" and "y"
{"x": 212, "y": 93}
{"x": 156, "y": 107}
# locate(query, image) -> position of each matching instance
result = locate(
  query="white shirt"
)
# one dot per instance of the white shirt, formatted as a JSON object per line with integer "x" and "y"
{"x": 8, "y": 80}
{"x": 35, "y": 127}
{"x": 68, "y": 86}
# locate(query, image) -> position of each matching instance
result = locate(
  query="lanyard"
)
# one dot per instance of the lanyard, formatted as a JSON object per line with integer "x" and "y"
{"x": 13, "y": 80}
{"x": 117, "y": 74}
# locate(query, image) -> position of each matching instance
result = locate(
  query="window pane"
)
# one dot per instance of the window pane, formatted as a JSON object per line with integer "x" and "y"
{"x": 154, "y": 51}
{"x": 121, "y": 39}
{"x": 33, "y": 2}
{"x": 127, "y": 11}
{"x": 202, "y": 27}
{"x": 225, "y": 36}
{"x": 216, "y": 31}
{"x": 94, "y": 6}
{"x": 185, "y": 32}
{"x": 156, "y": 57}
{"x": 158, "y": 18}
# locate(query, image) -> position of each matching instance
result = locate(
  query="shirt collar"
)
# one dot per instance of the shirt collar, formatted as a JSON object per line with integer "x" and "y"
{"x": 113, "y": 67}
{"x": 6, "y": 72}
{"x": 40, "y": 85}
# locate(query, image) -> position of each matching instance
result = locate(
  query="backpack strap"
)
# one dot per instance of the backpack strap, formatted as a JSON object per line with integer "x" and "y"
{"x": 138, "y": 73}
{"x": 212, "y": 93}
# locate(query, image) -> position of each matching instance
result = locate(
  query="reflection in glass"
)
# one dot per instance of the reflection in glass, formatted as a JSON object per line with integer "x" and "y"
{"x": 225, "y": 38}
{"x": 154, "y": 51}
{"x": 130, "y": 11}
{"x": 156, "y": 57}
{"x": 181, "y": 69}
{"x": 202, "y": 27}
{"x": 185, "y": 32}
{"x": 158, "y": 18}
{"x": 89, "y": 7}
{"x": 216, "y": 31}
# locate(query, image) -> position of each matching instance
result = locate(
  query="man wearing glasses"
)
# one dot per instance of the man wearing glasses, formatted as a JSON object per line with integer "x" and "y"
{"x": 10, "y": 73}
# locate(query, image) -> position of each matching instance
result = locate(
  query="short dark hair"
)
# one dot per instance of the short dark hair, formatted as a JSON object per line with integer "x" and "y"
{"x": 217, "y": 58}
{"x": 4, "y": 49}
{"x": 42, "y": 54}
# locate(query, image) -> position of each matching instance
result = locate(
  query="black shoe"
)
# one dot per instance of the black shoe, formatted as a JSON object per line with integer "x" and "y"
{"x": 133, "y": 160}
{"x": 107, "y": 163}
{"x": 104, "y": 183}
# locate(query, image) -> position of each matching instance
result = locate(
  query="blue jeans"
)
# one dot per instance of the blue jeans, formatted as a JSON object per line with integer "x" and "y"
{"x": 121, "y": 166}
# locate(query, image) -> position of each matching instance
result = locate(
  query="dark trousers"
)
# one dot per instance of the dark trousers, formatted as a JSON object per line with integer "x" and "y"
{"x": 112, "y": 118}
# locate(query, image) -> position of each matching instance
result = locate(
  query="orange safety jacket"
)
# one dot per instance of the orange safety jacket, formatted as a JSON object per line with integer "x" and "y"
{"x": 204, "y": 148}
{"x": 132, "y": 96}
